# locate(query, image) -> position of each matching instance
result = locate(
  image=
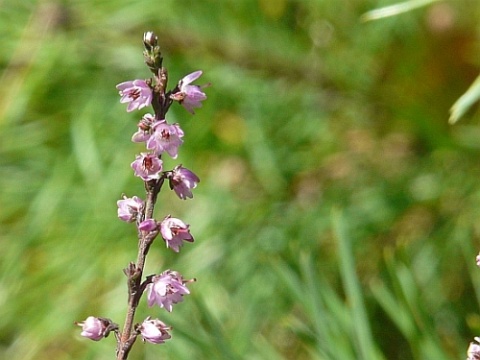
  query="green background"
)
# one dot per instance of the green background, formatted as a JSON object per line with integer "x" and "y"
{"x": 338, "y": 212}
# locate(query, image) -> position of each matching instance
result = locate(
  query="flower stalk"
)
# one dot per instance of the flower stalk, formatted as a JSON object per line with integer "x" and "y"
{"x": 167, "y": 288}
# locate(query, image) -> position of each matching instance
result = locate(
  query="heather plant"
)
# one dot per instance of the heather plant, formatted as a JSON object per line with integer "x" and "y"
{"x": 314, "y": 110}
{"x": 168, "y": 287}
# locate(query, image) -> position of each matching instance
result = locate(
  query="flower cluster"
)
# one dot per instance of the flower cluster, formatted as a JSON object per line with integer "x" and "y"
{"x": 159, "y": 138}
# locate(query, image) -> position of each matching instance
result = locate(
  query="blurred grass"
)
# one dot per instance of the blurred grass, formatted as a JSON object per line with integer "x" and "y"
{"x": 310, "y": 110}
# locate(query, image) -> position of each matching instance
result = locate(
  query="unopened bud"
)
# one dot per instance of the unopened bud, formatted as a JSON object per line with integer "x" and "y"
{"x": 150, "y": 40}
{"x": 152, "y": 54}
{"x": 154, "y": 331}
{"x": 95, "y": 328}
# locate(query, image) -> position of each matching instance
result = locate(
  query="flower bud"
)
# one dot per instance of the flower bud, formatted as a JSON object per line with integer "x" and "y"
{"x": 154, "y": 331}
{"x": 152, "y": 54}
{"x": 148, "y": 225}
{"x": 96, "y": 328}
{"x": 150, "y": 40}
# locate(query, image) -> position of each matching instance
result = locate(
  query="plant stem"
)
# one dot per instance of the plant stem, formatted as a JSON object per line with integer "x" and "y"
{"x": 135, "y": 271}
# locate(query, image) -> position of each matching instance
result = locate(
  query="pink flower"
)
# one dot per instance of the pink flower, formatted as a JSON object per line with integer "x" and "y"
{"x": 154, "y": 331}
{"x": 128, "y": 208}
{"x": 148, "y": 225}
{"x": 93, "y": 328}
{"x": 182, "y": 181}
{"x": 473, "y": 351}
{"x": 174, "y": 231}
{"x": 147, "y": 166}
{"x": 477, "y": 259}
{"x": 137, "y": 93}
{"x": 189, "y": 96}
{"x": 166, "y": 289}
{"x": 144, "y": 128}
{"x": 165, "y": 138}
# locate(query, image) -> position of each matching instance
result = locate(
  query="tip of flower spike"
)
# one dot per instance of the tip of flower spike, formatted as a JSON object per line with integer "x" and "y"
{"x": 152, "y": 54}
{"x": 150, "y": 40}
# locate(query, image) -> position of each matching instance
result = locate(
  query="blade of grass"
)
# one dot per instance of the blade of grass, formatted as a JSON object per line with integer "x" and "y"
{"x": 394, "y": 9}
{"x": 465, "y": 101}
{"x": 328, "y": 334}
{"x": 352, "y": 287}
{"x": 215, "y": 329}
{"x": 329, "y": 322}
